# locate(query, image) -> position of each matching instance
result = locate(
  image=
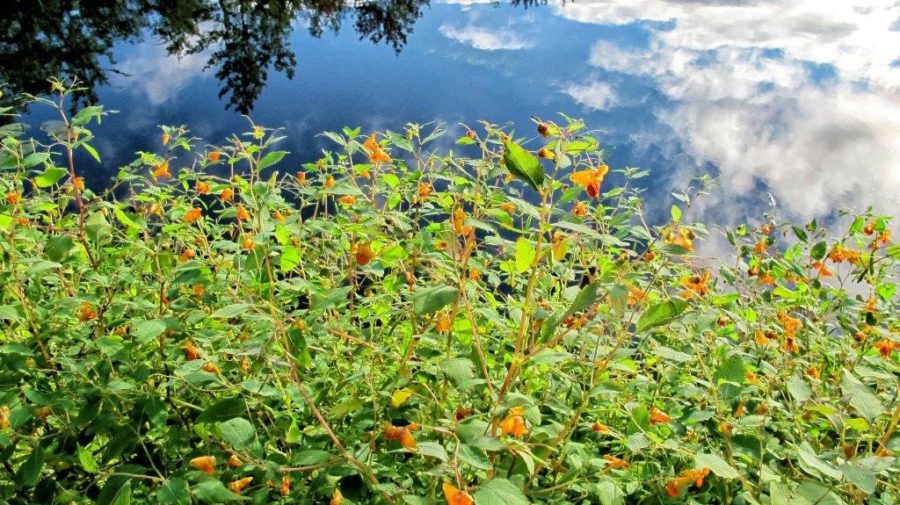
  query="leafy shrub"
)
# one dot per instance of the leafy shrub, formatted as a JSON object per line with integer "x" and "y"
{"x": 392, "y": 324}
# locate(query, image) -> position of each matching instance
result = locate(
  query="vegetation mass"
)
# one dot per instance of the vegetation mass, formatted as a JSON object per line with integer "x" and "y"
{"x": 409, "y": 321}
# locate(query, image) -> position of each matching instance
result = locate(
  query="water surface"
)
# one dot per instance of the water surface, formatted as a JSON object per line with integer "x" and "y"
{"x": 793, "y": 103}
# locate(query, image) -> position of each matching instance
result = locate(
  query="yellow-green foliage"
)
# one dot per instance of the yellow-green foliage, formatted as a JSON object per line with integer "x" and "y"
{"x": 397, "y": 324}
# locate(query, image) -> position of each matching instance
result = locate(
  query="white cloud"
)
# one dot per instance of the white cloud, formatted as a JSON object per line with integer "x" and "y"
{"x": 595, "y": 95}
{"x": 760, "y": 115}
{"x": 149, "y": 69}
{"x": 486, "y": 39}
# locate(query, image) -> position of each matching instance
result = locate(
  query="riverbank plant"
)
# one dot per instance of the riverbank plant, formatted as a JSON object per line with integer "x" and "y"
{"x": 415, "y": 319}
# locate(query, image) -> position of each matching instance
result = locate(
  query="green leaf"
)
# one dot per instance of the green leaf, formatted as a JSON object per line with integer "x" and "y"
{"x": 461, "y": 370}
{"x": 525, "y": 254}
{"x": 523, "y": 165}
{"x": 716, "y": 464}
{"x": 675, "y": 212}
{"x": 473, "y": 457}
{"x": 213, "y": 491}
{"x": 609, "y": 493}
{"x": 818, "y": 251}
{"x": 232, "y": 310}
{"x": 240, "y": 434}
{"x": 146, "y": 331}
{"x": 430, "y": 300}
{"x": 312, "y": 457}
{"x": 290, "y": 258}
{"x": 798, "y": 389}
{"x": 812, "y": 461}
{"x": 223, "y": 410}
{"x": 49, "y": 177}
{"x": 86, "y": 458}
{"x": 58, "y": 247}
{"x": 672, "y": 354}
{"x": 30, "y": 470}
{"x": 661, "y": 314}
{"x": 863, "y": 478}
{"x": 434, "y": 450}
{"x": 36, "y": 159}
{"x": 499, "y": 492}
{"x": 270, "y": 159}
{"x": 174, "y": 492}
{"x": 116, "y": 491}
{"x": 861, "y": 397}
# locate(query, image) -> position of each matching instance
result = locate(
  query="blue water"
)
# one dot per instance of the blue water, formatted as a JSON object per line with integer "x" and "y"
{"x": 796, "y": 103}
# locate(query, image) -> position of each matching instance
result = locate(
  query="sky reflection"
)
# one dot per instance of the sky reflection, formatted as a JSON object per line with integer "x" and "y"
{"x": 800, "y": 99}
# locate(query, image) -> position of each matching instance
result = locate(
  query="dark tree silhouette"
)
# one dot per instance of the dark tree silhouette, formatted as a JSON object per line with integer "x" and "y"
{"x": 244, "y": 38}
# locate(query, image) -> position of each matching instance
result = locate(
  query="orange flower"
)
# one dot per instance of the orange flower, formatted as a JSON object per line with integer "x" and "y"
{"x": 458, "y": 219}
{"x": 544, "y": 130}
{"x": 193, "y": 215}
{"x": 767, "y": 279}
{"x": 790, "y": 345}
{"x": 508, "y": 207}
{"x": 234, "y": 461}
{"x": 376, "y": 153}
{"x": 278, "y": 216}
{"x": 474, "y": 274}
{"x": 285, "y": 489}
{"x": 840, "y": 254}
{"x": 821, "y": 268}
{"x": 202, "y": 188}
{"x": 514, "y": 423}
{"x": 683, "y": 237}
{"x": 883, "y": 238}
{"x": 247, "y": 243}
{"x": 615, "y": 463}
{"x": 599, "y": 427}
{"x": 635, "y": 295}
{"x": 658, "y": 416}
{"x": 762, "y": 339}
{"x": 739, "y": 411}
{"x": 186, "y": 255}
{"x": 242, "y": 214}
{"x": 591, "y": 179}
{"x": 424, "y": 189}
{"x": 685, "y": 479}
{"x": 161, "y": 171}
{"x": 869, "y": 228}
{"x": 210, "y": 367}
{"x": 301, "y": 177}
{"x": 766, "y": 229}
{"x": 347, "y": 200}
{"x": 363, "y": 253}
{"x": 213, "y": 156}
{"x": 198, "y": 289}
{"x": 546, "y": 154}
{"x": 761, "y": 247}
{"x": 329, "y": 182}
{"x": 885, "y": 347}
{"x": 227, "y": 194}
{"x": 13, "y": 197}
{"x": 401, "y": 435}
{"x": 456, "y": 496}
{"x": 78, "y": 183}
{"x": 86, "y": 312}
{"x": 696, "y": 284}
{"x": 206, "y": 464}
{"x": 789, "y": 324}
{"x": 443, "y": 323}
{"x": 191, "y": 351}
{"x": 165, "y": 138}
{"x": 4, "y": 417}
{"x": 580, "y": 209}
{"x": 236, "y": 486}
{"x": 813, "y": 372}
{"x": 751, "y": 377}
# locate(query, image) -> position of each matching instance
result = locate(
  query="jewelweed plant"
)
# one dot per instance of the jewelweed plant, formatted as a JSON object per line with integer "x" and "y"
{"x": 395, "y": 324}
